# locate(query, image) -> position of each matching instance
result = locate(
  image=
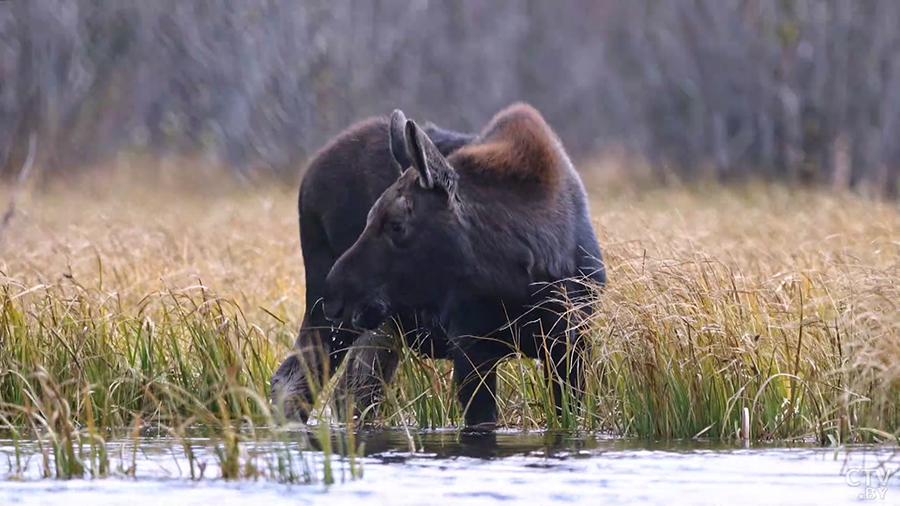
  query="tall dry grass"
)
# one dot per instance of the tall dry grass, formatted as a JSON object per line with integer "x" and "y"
{"x": 784, "y": 302}
{"x": 173, "y": 304}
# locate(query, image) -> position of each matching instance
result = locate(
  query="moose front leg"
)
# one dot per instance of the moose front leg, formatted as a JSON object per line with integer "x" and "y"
{"x": 476, "y": 383}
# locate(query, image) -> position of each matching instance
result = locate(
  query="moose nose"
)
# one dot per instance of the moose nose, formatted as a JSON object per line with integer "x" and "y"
{"x": 333, "y": 309}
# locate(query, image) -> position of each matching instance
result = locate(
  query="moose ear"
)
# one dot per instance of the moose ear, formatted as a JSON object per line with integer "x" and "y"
{"x": 415, "y": 142}
{"x": 434, "y": 170}
{"x": 398, "y": 139}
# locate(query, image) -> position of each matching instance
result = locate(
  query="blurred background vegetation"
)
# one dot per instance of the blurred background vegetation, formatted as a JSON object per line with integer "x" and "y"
{"x": 805, "y": 91}
{"x": 123, "y": 303}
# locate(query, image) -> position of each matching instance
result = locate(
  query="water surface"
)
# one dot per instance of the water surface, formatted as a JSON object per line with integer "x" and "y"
{"x": 505, "y": 468}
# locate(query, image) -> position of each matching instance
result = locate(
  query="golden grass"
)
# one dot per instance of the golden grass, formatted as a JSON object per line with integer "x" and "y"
{"x": 781, "y": 301}
{"x": 176, "y": 304}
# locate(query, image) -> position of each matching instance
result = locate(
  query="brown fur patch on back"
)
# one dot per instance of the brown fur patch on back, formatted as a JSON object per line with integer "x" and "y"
{"x": 516, "y": 146}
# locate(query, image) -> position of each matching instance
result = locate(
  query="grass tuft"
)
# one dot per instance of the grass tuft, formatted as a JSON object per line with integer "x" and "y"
{"x": 167, "y": 311}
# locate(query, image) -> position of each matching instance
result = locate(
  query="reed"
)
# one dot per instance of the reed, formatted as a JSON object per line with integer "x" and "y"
{"x": 169, "y": 308}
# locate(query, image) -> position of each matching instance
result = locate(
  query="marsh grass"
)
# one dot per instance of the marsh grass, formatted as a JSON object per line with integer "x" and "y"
{"x": 167, "y": 308}
{"x": 785, "y": 303}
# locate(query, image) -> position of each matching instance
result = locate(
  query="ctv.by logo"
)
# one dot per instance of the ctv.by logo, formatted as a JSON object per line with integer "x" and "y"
{"x": 873, "y": 482}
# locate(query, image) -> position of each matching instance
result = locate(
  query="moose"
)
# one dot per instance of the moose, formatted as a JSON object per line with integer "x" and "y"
{"x": 340, "y": 185}
{"x": 483, "y": 244}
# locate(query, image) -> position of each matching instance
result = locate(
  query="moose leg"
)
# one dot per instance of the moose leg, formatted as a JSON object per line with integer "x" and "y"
{"x": 476, "y": 383}
{"x": 563, "y": 370}
{"x": 560, "y": 346}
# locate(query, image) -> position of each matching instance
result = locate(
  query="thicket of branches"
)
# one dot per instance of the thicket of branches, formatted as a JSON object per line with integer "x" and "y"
{"x": 804, "y": 90}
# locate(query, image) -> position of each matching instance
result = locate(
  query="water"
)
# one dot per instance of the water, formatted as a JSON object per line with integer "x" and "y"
{"x": 504, "y": 468}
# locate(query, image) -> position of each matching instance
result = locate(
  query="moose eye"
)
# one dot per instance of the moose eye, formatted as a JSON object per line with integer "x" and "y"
{"x": 397, "y": 232}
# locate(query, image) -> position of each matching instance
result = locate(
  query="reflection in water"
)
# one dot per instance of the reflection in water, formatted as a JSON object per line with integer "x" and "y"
{"x": 493, "y": 468}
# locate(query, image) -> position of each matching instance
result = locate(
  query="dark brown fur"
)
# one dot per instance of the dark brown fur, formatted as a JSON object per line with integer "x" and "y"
{"x": 482, "y": 241}
{"x": 340, "y": 185}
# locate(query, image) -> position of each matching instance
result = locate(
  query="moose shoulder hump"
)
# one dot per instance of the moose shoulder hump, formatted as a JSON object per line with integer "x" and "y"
{"x": 517, "y": 146}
